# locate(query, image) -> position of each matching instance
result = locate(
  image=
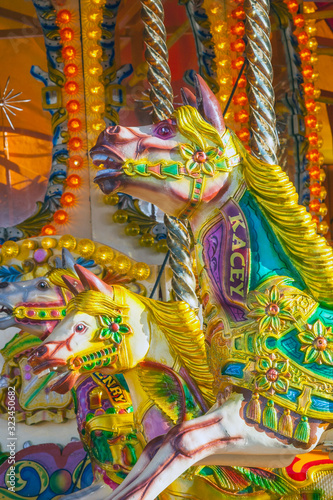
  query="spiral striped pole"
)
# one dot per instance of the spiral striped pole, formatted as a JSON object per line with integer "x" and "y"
{"x": 264, "y": 141}
{"x": 183, "y": 279}
{"x": 156, "y": 54}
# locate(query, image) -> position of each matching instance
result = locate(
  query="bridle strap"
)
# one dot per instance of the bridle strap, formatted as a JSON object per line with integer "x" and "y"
{"x": 36, "y": 312}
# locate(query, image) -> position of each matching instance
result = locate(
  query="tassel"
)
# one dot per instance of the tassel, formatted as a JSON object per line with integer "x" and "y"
{"x": 253, "y": 410}
{"x": 269, "y": 417}
{"x": 302, "y": 432}
{"x": 286, "y": 424}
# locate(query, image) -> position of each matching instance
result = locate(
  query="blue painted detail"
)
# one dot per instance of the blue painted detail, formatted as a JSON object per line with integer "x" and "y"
{"x": 122, "y": 381}
{"x": 271, "y": 343}
{"x": 10, "y": 274}
{"x": 269, "y": 259}
{"x": 233, "y": 369}
{"x": 320, "y": 404}
{"x": 85, "y": 263}
{"x": 291, "y": 395}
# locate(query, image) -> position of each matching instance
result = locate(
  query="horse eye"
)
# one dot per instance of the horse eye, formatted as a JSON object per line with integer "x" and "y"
{"x": 80, "y": 328}
{"x": 164, "y": 131}
{"x": 43, "y": 285}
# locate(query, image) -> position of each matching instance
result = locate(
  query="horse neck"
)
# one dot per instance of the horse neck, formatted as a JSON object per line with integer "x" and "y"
{"x": 158, "y": 354}
{"x": 231, "y": 189}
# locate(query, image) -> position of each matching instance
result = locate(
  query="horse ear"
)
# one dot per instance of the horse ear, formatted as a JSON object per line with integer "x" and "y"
{"x": 74, "y": 285}
{"x": 90, "y": 281}
{"x": 208, "y": 104}
{"x": 188, "y": 97}
{"x": 58, "y": 263}
{"x": 67, "y": 260}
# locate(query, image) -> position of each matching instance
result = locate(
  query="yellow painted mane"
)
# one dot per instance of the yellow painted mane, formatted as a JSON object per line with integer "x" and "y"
{"x": 182, "y": 329}
{"x": 310, "y": 253}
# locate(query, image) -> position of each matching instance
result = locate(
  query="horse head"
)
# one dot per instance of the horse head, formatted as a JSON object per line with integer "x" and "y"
{"x": 35, "y": 305}
{"x": 95, "y": 335}
{"x": 176, "y": 163}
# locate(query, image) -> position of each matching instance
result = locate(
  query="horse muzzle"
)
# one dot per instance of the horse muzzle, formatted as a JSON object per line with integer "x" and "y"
{"x": 41, "y": 359}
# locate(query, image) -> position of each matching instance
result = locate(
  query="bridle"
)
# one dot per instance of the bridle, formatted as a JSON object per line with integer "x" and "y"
{"x": 225, "y": 160}
{"x": 33, "y": 311}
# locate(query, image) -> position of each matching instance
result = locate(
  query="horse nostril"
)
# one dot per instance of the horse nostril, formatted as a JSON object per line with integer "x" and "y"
{"x": 4, "y": 284}
{"x": 41, "y": 351}
{"x": 113, "y": 130}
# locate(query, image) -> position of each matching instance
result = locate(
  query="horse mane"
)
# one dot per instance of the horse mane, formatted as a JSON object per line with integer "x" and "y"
{"x": 56, "y": 274}
{"x": 276, "y": 195}
{"x": 182, "y": 329}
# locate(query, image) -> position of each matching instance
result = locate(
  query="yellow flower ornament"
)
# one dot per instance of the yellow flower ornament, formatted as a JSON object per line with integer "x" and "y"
{"x": 271, "y": 309}
{"x": 317, "y": 343}
{"x": 202, "y": 161}
{"x": 272, "y": 375}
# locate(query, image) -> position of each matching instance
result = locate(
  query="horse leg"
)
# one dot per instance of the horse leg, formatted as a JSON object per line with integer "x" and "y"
{"x": 183, "y": 446}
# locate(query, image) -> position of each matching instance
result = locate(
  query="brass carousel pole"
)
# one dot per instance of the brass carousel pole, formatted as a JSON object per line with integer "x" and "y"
{"x": 260, "y": 76}
{"x": 161, "y": 96}
{"x": 156, "y": 55}
{"x": 183, "y": 279}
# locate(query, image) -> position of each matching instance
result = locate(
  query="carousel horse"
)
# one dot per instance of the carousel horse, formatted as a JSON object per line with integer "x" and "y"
{"x": 159, "y": 348}
{"x": 266, "y": 286}
{"x": 37, "y": 306}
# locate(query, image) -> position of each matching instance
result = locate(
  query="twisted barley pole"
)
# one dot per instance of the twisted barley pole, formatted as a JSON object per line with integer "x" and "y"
{"x": 183, "y": 279}
{"x": 156, "y": 55}
{"x": 260, "y": 76}
{"x": 161, "y": 96}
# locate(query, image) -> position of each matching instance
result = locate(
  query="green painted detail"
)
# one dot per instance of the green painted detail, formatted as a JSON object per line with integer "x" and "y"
{"x": 39, "y": 388}
{"x": 106, "y": 320}
{"x": 19, "y": 344}
{"x": 111, "y": 411}
{"x": 63, "y": 312}
{"x": 89, "y": 416}
{"x": 74, "y": 396}
{"x": 123, "y": 329}
{"x": 221, "y": 165}
{"x": 118, "y": 319}
{"x": 132, "y": 455}
{"x": 42, "y": 314}
{"x": 117, "y": 337}
{"x": 140, "y": 168}
{"x": 105, "y": 333}
{"x": 171, "y": 170}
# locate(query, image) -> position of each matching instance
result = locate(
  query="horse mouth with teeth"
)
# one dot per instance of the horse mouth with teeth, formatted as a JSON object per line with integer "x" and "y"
{"x": 61, "y": 380}
{"x": 112, "y": 162}
{"x": 6, "y": 314}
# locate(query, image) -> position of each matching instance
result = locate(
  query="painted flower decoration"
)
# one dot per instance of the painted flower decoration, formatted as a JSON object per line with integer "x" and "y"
{"x": 317, "y": 342}
{"x": 198, "y": 161}
{"x": 271, "y": 309}
{"x": 273, "y": 375}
